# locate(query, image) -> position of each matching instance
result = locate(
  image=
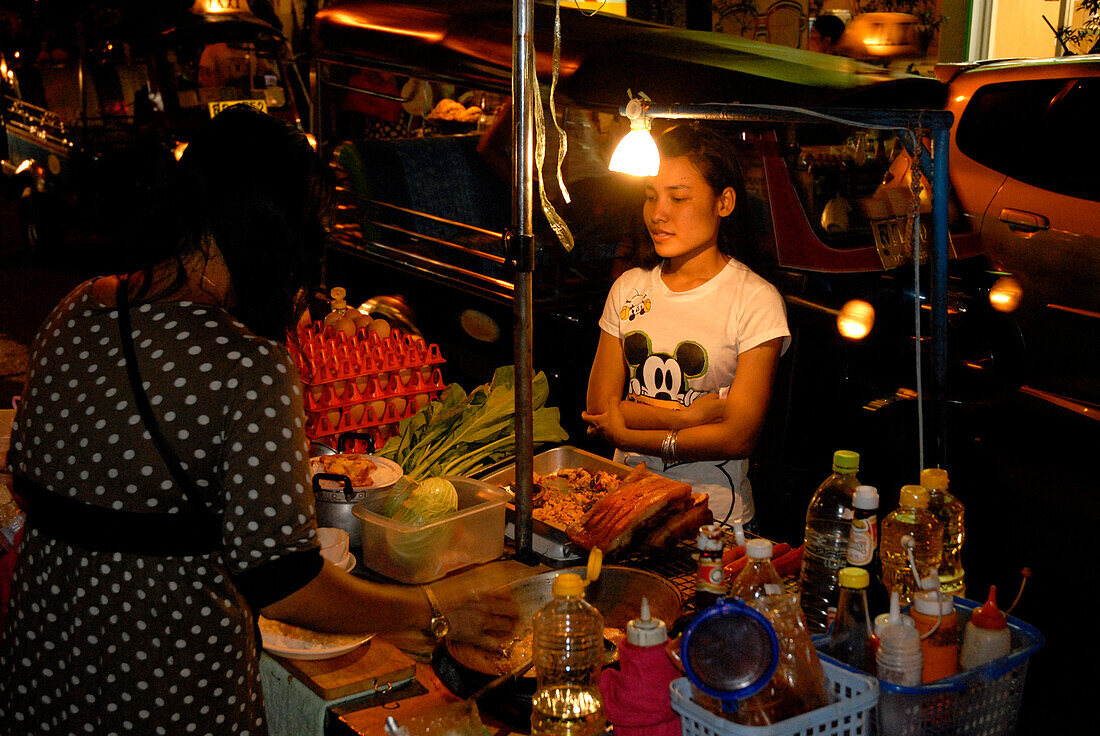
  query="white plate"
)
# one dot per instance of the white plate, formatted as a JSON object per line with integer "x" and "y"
{"x": 292, "y": 642}
{"x": 385, "y": 474}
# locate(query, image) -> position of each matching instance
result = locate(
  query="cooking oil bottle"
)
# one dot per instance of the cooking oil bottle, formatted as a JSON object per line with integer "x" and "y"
{"x": 909, "y": 526}
{"x": 828, "y": 525}
{"x": 568, "y": 654}
{"x": 949, "y": 511}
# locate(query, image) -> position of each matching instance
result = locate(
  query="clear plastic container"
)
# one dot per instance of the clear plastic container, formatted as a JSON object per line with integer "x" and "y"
{"x": 910, "y": 519}
{"x": 828, "y": 525}
{"x": 949, "y": 511}
{"x": 759, "y": 577}
{"x": 568, "y": 653}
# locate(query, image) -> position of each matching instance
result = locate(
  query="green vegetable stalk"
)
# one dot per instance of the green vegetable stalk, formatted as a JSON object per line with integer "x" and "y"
{"x": 461, "y": 434}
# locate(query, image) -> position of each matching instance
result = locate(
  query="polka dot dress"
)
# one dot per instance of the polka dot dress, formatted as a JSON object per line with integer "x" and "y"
{"x": 112, "y": 643}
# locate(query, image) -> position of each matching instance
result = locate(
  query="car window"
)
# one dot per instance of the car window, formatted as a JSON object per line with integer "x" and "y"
{"x": 1030, "y": 130}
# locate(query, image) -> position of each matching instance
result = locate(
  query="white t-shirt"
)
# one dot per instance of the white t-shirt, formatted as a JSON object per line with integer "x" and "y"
{"x": 680, "y": 345}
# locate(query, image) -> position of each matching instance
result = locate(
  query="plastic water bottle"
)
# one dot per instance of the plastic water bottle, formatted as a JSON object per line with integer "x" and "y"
{"x": 828, "y": 525}
{"x": 759, "y": 577}
{"x": 949, "y": 511}
{"x": 910, "y": 525}
{"x": 850, "y": 635}
{"x": 568, "y": 655}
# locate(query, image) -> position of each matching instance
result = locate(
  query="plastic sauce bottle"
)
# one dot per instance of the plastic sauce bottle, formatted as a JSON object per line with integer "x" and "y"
{"x": 899, "y": 658}
{"x": 986, "y": 636}
{"x": 910, "y": 519}
{"x": 828, "y": 525}
{"x": 636, "y": 696}
{"x": 863, "y": 544}
{"x": 934, "y": 614}
{"x": 759, "y": 577}
{"x": 949, "y": 511}
{"x": 568, "y": 653}
{"x": 710, "y": 576}
{"x": 851, "y": 639}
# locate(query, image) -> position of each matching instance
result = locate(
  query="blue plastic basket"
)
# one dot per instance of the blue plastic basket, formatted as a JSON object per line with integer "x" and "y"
{"x": 984, "y": 701}
{"x": 851, "y": 713}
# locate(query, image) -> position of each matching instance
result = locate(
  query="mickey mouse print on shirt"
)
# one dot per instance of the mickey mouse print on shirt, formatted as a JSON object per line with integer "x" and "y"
{"x": 662, "y": 376}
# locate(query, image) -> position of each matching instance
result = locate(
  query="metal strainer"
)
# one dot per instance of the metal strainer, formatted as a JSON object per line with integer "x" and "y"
{"x": 729, "y": 651}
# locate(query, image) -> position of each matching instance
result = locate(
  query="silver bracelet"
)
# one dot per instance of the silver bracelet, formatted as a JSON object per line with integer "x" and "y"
{"x": 668, "y": 447}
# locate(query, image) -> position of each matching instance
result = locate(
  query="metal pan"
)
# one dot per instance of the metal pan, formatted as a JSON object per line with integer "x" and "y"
{"x": 617, "y": 594}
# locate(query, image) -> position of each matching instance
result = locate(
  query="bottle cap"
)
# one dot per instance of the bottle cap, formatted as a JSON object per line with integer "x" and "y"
{"x": 568, "y": 585}
{"x": 845, "y": 461}
{"x": 646, "y": 631}
{"x": 914, "y": 497}
{"x": 929, "y": 600}
{"x": 989, "y": 616}
{"x": 854, "y": 577}
{"x": 338, "y": 293}
{"x": 934, "y": 479}
{"x": 758, "y": 549}
{"x": 865, "y": 497}
{"x": 883, "y": 619}
{"x": 709, "y": 539}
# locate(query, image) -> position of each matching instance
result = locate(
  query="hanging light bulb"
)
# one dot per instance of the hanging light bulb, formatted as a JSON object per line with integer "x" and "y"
{"x": 636, "y": 153}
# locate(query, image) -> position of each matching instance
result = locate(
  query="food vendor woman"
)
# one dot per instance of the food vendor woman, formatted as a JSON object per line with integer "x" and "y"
{"x": 688, "y": 350}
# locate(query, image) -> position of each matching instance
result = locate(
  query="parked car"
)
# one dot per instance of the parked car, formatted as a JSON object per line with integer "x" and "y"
{"x": 1024, "y": 173}
{"x": 93, "y": 123}
{"x": 423, "y": 208}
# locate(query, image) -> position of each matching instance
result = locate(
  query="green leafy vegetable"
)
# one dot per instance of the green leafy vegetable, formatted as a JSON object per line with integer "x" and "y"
{"x": 463, "y": 433}
{"x": 428, "y": 500}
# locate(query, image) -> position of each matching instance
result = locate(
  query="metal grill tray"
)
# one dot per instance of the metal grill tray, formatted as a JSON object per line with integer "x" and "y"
{"x": 549, "y": 542}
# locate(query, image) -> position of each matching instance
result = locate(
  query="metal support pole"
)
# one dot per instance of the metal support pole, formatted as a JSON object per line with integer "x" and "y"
{"x": 941, "y": 184}
{"x": 524, "y": 99}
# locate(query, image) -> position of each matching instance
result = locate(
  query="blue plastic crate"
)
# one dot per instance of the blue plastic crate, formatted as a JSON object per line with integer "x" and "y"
{"x": 984, "y": 701}
{"x": 851, "y": 713}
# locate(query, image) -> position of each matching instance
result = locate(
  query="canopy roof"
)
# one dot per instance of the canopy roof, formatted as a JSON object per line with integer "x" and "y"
{"x": 603, "y": 56}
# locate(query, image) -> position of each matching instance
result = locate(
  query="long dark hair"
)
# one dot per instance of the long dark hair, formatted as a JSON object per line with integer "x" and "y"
{"x": 254, "y": 186}
{"x": 714, "y": 157}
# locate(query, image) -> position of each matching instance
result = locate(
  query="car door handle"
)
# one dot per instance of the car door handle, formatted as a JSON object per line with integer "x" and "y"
{"x": 1022, "y": 221}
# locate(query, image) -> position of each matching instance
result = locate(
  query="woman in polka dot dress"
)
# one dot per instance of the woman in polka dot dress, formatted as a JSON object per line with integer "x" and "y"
{"x": 133, "y": 607}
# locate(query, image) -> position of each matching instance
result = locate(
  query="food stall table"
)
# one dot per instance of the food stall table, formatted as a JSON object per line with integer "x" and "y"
{"x": 348, "y": 692}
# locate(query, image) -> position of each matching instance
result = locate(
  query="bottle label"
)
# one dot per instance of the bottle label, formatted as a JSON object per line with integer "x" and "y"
{"x": 711, "y": 577}
{"x": 773, "y": 589}
{"x": 830, "y": 616}
{"x": 862, "y": 542}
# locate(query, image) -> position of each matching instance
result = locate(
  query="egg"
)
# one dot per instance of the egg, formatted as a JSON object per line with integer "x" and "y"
{"x": 426, "y": 372}
{"x": 361, "y": 319}
{"x": 362, "y": 383}
{"x": 378, "y": 408}
{"x": 383, "y": 380}
{"x": 345, "y": 325}
{"x": 421, "y": 400}
{"x": 317, "y": 392}
{"x": 405, "y": 375}
{"x": 333, "y": 416}
{"x": 356, "y": 411}
{"x": 339, "y": 387}
{"x": 379, "y": 327}
{"x": 398, "y": 404}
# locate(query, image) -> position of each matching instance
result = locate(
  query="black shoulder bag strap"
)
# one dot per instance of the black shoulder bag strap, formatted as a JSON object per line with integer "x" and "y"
{"x": 190, "y": 490}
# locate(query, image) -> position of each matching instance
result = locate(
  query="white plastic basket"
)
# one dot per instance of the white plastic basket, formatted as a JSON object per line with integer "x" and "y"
{"x": 850, "y": 714}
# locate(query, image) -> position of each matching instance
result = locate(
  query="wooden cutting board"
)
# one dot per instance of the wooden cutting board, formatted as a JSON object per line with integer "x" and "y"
{"x": 375, "y": 665}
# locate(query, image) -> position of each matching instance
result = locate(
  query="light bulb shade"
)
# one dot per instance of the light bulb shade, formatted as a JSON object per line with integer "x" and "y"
{"x": 636, "y": 154}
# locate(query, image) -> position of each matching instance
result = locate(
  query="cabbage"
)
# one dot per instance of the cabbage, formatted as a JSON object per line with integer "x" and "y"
{"x": 424, "y": 502}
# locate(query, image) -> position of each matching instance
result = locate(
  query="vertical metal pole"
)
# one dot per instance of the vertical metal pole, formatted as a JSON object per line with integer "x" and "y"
{"x": 524, "y": 98}
{"x": 941, "y": 184}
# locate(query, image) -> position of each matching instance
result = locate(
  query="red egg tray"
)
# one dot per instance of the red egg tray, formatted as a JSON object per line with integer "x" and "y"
{"x": 390, "y": 378}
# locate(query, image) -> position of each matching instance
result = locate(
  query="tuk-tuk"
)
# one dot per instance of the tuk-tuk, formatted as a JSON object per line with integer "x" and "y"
{"x": 93, "y": 124}
{"x": 425, "y": 200}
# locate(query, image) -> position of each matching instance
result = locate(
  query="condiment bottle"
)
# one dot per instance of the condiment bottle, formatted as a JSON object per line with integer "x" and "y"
{"x": 758, "y": 577}
{"x": 568, "y": 653}
{"x": 899, "y": 658}
{"x": 933, "y": 612}
{"x": 986, "y": 636}
{"x": 909, "y": 523}
{"x": 710, "y": 576}
{"x": 850, "y": 635}
{"x": 828, "y": 524}
{"x": 949, "y": 511}
{"x": 636, "y": 696}
{"x": 863, "y": 544}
